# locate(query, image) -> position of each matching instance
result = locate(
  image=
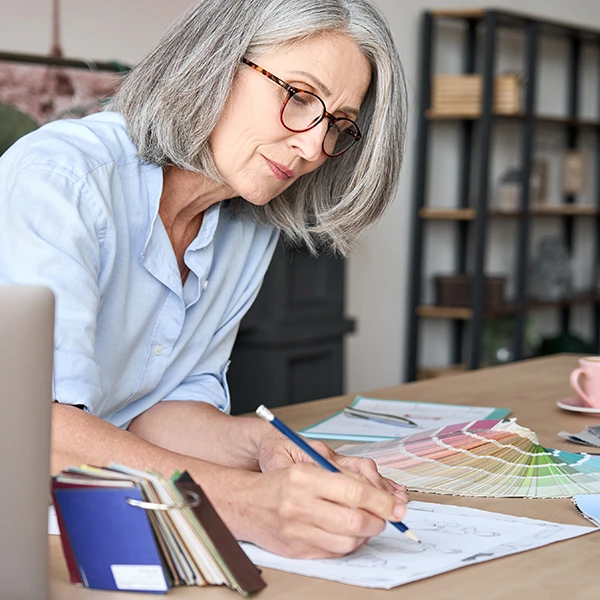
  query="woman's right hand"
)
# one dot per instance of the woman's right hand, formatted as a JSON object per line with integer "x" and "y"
{"x": 303, "y": 511}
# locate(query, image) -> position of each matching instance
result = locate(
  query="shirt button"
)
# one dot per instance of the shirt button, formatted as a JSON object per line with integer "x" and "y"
{"x": 205, "y": 284}
{"x": 158, "y": 350}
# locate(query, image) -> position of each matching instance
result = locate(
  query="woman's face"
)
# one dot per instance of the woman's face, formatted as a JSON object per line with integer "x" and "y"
{"x": 255, "y": 154}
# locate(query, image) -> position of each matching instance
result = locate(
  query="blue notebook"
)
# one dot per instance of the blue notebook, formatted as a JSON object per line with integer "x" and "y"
{"x": 112, "y": 542}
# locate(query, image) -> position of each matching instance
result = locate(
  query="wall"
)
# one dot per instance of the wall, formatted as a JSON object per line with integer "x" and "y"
{"x": 111, "y": 29}
{"x": 377, "y": 271}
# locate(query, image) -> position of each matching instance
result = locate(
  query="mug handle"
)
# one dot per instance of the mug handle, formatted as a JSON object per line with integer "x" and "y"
{"x": 575, "y": 385}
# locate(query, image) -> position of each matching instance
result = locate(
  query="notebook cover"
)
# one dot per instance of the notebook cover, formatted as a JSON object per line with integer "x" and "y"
{"x": 112, "y": 542}
{"x": 64, "y": 539}
{"x": 245, "y": 573}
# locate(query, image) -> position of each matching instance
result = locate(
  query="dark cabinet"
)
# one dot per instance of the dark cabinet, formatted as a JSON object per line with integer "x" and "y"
{"x": 290, "y": 345}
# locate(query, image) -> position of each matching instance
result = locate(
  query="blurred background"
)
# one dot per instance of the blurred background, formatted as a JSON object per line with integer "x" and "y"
{"x": 380, "y": 324}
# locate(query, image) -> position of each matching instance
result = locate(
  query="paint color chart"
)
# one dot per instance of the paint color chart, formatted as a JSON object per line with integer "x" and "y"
{"x": 482, "y": 458}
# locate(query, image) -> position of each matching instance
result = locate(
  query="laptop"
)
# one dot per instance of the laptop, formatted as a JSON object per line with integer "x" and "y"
{"x": 26, "y": 353}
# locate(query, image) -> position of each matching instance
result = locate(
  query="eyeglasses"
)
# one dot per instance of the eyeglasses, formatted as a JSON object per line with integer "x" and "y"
{"x": 304, "y": 110}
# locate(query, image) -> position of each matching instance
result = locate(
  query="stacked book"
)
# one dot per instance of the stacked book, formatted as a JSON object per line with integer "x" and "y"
{"x": 462, "y": 94}
{"x": 134, "y": 530}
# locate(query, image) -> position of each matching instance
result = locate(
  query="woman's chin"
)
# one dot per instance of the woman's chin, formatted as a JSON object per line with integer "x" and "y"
{"x": 258, "y": 200}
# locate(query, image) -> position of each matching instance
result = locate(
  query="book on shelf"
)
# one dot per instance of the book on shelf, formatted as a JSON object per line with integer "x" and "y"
{"x": 135, "y": 530}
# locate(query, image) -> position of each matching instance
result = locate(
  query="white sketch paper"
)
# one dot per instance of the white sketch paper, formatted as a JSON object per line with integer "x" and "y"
{"x": 451, "y": 536}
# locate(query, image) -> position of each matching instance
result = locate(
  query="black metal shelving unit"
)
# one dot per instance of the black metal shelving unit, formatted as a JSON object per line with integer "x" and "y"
{"x": 472, "y": 214}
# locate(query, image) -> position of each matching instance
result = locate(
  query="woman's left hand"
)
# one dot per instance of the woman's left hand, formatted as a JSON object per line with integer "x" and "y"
{"x": 276, "y": 452}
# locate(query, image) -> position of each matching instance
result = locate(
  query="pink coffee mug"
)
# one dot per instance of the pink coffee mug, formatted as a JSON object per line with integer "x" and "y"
{"x": 589, "y": 372}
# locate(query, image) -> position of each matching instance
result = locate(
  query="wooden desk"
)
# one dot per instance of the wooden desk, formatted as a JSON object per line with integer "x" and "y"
{"x": 562, "y": 570}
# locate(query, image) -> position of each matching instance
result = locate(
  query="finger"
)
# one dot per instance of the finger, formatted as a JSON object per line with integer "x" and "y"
{"x": 367, "y": 468}
{"x": 320, "y": 544}
{"x": 400, "y": 491}
{"x": 362, "y": 467}
{"x": 322, "y": 528}
{"x": 347, "y": 491}
{"x": 402, "y": 496}
{"x": 323, "y": 449}
{"x": 314, "y": 542}
{"x": 398, "y": 486}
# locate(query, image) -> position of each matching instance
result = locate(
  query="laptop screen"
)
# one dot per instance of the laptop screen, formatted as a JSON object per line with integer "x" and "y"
{"x": 26, "y": 351}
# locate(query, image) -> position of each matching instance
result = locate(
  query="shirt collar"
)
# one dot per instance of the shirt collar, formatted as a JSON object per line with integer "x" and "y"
{"x": 210, "y": 221}
{"x": 209, "y": 225}
{"x": 159, "y": 259}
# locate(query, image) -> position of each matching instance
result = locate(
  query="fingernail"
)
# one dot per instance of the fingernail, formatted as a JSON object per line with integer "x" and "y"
{"x": 399, "y": 511}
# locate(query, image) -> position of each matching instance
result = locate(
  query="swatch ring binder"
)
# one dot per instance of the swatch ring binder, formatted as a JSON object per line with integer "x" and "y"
{"x": 110, "y": 544}
{"x": 194, "y": 500}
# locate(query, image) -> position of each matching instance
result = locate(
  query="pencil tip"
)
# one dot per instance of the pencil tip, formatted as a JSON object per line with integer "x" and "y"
{"x": 412, "y": 536}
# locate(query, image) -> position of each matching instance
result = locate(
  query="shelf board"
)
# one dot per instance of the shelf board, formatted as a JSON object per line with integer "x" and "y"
{"x": 436, "y": 115}
{"x": 565, "y": 209}
{"x": 558, "y": 120}
{"x": 464, "y": 313}
{"x": 444, "y": 312}
{"x": 506, "y": 213}
{"x": 452, "y": 214}
{"x": 576, "y": 298}
{"x": 518, "y": 20}
{"x": 459, "y": 13}
{"x": 469, "y": 214}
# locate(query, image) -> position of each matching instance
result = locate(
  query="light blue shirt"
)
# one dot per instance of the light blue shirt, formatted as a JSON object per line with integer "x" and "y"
{"x": 79, "y": 214}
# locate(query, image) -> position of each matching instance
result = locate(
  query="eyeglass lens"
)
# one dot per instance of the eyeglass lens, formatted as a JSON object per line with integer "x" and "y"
{"x": 304, "y": 110}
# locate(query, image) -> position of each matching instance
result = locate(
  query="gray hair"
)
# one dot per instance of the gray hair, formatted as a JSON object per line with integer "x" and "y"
{"x": 173, "y": 99}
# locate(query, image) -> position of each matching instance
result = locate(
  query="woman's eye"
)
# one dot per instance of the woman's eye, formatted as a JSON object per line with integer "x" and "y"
{"x": 302, "y": 99}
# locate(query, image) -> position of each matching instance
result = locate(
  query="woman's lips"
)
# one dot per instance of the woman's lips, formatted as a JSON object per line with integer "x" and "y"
{"x": 280, "y": 171}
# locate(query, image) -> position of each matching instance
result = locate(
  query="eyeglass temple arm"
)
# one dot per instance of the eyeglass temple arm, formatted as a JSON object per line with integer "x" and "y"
{"x": 286, "y": 86}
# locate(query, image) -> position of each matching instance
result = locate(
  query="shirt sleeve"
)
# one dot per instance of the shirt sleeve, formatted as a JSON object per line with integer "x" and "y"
{"x": 50, "y": 237}
{"x": 208, "y": 381}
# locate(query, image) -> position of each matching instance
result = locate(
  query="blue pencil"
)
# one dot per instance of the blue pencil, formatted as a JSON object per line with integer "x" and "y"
{"x": 264, "y": 413}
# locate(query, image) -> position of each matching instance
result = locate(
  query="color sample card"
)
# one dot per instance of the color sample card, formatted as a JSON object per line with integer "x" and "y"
{"x": 482, "y": 458}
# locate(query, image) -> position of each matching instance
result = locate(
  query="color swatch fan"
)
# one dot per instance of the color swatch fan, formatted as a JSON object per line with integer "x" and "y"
{"x": 482, "y": 458}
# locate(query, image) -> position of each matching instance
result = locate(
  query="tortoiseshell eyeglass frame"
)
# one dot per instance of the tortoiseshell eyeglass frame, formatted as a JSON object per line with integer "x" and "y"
{"x": 294, "y": 90}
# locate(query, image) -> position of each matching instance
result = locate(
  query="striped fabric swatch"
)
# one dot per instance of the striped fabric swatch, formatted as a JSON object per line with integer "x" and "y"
{"x": 482, "y": 458}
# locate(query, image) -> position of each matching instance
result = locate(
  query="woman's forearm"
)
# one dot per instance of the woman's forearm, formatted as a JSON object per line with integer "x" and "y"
{"x": 200, "y": 430}
{"x": 80, "y": 438}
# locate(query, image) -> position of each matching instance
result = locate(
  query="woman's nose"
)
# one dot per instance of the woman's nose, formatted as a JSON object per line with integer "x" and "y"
{"x": 310, "y": 143}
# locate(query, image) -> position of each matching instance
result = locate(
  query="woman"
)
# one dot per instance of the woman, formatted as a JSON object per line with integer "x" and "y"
{"x": 154, "y": 224}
